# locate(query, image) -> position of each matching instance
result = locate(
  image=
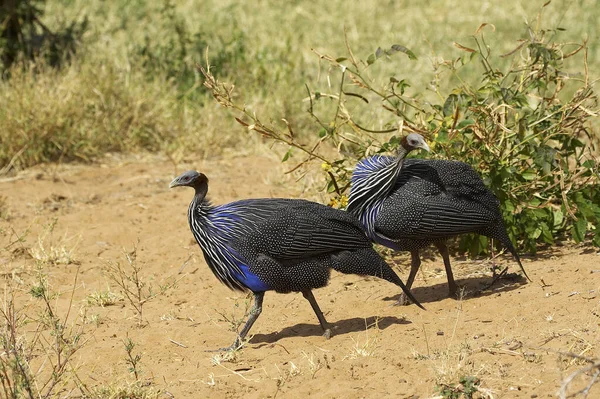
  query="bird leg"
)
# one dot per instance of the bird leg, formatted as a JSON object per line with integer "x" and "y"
{"x": 415, "y": 263}
{"x": 452, "y": 287}
{"x": 313, "y": 302}
{"x": 494, "y": 266}
{"x": 254, "y": 313}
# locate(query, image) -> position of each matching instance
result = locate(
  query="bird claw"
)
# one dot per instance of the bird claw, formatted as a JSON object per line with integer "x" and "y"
{"x": 453, "y": 291}
{"x": 403, "y": 300}
{"x": 228, "y": 349}
{"x": 327, "y": 334}
{"x": 232, "y": 348}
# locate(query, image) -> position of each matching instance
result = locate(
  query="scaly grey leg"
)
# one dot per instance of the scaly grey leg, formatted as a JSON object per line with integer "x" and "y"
{"x": 254, "y": 313}
{"x": 415, "y": 264}
{"x": 313, "y": 302}
{"x": 452, "y": 287}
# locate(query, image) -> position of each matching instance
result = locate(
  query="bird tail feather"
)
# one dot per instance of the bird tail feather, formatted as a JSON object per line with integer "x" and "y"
{"x": 501, "y": 235}
{"x": 369, "y": 263}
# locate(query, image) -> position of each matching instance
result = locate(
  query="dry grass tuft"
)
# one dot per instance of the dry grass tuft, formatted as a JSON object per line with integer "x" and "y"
{"x": 50, "y": 251}
{"x": 102, "y": 298}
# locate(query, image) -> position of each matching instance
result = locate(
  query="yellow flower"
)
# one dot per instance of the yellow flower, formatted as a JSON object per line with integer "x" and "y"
{"x": 338, "y": 202}
{"x": 343, "y": 201}
{"x": 326, "y": 166}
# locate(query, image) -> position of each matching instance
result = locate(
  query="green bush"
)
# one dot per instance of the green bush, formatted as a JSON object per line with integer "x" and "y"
{"x": 524, "y": 127}
{"x": 23, "y": 35}
{"x": 179, "y": 45}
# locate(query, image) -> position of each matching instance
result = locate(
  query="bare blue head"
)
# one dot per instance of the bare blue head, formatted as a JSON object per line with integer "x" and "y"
{"x": 414, "y": 141}
{"x": 193, "y": 179}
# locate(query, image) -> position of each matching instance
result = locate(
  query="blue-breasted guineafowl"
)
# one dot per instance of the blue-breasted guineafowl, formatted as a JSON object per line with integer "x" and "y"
{"x": 282, "y": 245}
{"x": 409, "y": 204}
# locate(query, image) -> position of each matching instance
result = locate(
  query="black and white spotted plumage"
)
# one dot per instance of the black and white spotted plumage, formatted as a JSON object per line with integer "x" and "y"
{"x": 428, "y": 202}
{"x": 436, "y": 200}
{"x": 283, "y": 245}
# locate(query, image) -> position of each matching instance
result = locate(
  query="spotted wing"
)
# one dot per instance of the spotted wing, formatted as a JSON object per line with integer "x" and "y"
{"x": 424, "y": 206}
{"x": 304, "y": 230}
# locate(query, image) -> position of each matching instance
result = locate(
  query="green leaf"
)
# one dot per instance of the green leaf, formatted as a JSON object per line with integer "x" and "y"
{"x": 287, "y": 155}
{"x": 402, "y": 85}
{"x": 452, "y": 102}
{"x": 442, "y": 136}
{"x": 465, "y": 123}
{"x": 590, "y": 163}
{"x": 596, "y": 239}
{"x": 558, "y": 217}
{"x": 578, "y": 229}
{"x": 529, "y": 174}
{"x": 341, "y": 59}
{"x": 405, "y": 50}
{"x": 378, "y": 52}
{"x": 545, "y": 157}
{"x": 577, "y": 143}
{"x": 546, "y": 233}
{"x": 371, "y": 59}
{"x": 540, "y": 213}
{"x": 330, "y": 187}
{"x": 508, "y": 206}
{"x": 534, "y": 202}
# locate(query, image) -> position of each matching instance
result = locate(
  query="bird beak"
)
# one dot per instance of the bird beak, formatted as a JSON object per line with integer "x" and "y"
{"x": 174, "y": 183}
{"x": 425, "y": 146}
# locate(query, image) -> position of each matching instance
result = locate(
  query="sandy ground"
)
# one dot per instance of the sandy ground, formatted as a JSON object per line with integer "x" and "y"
{"x": 508, "y": 336}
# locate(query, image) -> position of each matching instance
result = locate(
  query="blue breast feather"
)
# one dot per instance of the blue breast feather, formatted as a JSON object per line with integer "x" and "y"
{"x": 250, "y": 279}
{"x": 228, "y": 223}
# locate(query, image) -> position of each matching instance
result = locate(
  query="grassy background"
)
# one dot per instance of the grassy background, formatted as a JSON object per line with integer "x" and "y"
{"x": 132, "y": 84}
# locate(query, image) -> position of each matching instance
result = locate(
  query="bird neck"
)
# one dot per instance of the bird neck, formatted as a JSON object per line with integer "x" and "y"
{"x": 213, "y": 233}
{"x": 403, "y": 151}
{"x": 372, "y": 181}
{"x": 201, "y": 189}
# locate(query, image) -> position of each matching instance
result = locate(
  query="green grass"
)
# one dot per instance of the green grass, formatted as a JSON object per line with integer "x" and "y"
{"x": 132, "y": 85}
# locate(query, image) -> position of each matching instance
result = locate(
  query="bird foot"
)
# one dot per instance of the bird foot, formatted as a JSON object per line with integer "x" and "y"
{"x": 456, "y": 291}
{"x": 327, "y": 334}
{"x": 232, "y": 348}
{"x": 228, "y": 349}
{"x": 403, "y": 300}
{"x": 453, "y": 292}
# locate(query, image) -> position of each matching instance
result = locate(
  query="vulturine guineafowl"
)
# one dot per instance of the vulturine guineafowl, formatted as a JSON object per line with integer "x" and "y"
{"x": 409, "y": 204}
{"x": 283, "y": 245}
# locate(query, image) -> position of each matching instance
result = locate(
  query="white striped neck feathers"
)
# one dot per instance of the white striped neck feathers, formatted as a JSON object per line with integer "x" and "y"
{"x": 374, "y": 178}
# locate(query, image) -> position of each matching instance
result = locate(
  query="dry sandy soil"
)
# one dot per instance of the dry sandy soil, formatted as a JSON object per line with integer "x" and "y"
{"x": 508, "y": 336}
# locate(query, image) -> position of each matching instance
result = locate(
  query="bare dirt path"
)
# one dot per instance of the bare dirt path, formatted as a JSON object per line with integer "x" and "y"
{"x": 507, "y": 336}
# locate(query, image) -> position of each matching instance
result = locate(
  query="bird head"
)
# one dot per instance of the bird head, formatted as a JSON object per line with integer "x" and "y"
{"x": 191, "y": 178}
{"x": 414, "y": 141}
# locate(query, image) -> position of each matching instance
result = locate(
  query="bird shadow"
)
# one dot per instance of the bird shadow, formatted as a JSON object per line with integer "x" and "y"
{"x": 471, "y": 287}
{"x": 340, "y": 327}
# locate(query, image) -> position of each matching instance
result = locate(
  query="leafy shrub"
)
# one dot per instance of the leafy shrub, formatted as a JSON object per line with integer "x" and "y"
{"x": 466, "y": 388}
{"x": 24, "y": 36}
{"x": 179, "y": 45}
{"x": 525, "y": 127}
